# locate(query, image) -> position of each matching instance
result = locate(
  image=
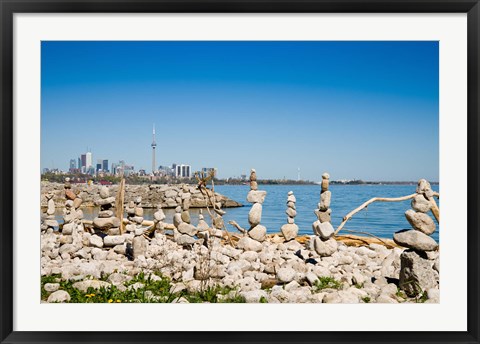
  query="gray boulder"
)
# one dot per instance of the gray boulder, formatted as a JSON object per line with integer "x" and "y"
{"x": 325, "y": 248}
{"x": 289, "y": 231}
{"x": 256, "y": 196}
{"x": 323, "y": 229}
{"x": 415, "y": 240}
{"x": 59, "y": 296}
{"x": 421, "y": 204}
{"x": 258, "y": 233}
{"x": 416, "y": 273}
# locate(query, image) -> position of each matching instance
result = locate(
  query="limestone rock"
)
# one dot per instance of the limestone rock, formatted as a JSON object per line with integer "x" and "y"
{"x": 324, "y": 216}
{"x": 255, "y": 215}
{"x": 416, "y": 273}
{"x": 104, "y": 192}
{"x": 325, "y": 248}
{"x": 95, "y": 284}
{"x": 289, "y": 231}
{"x": 325, "y": 200}
{"x": 420, "y": 221}
{"x": 139, "y": 246}
{"x": 106, "y": 223}
{"x": 113, "y": 240}
{"x": 59, "y": 296}
{"x": 258, "y": 233}
{"x": 95, "y": 241}
{"x": 248, "y": 244}
{"x": 285, "y": 275}
{"x": 324, "y": 230}
{"x": 415, "y": 240}
{"x": 256, "y": 196}
{"x": 186, "y": 228}
{"x": 421, "y": 204}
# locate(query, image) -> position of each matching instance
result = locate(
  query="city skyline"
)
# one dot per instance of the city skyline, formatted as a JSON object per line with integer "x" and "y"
{"x": 353, "y": 109}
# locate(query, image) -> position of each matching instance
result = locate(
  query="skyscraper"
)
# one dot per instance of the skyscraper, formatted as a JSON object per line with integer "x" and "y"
{"x": 105, "y": 165}
{"x": 88, "y": 160}
{"x": 154, "y": 144}
{"x": 73, "y": 165}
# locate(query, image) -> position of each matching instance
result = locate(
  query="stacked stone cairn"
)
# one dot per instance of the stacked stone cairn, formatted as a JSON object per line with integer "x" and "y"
{"x": 71, "y": 238}
{"x": 48, "y": 218}
{"x": 290, "y": 229}
{"x": 184, "y": 232}
{"x": 257, "y": 197}
{"x": 158, "y": 218}
{"x": 324, "y": 243}
{"x": 419, "y": 264}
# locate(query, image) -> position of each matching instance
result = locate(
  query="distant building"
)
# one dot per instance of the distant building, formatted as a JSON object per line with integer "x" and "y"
{"x": 105, "y": 165}
{"x": 114, "y": 168}
{"x": 88, "y": 158}
{"x": 207, "y": 170}
{"x": 182, "y": 171}
{"x": 73, "y": 165}
{"x": 99, "y": 166}
{"x": 83, "y": 165}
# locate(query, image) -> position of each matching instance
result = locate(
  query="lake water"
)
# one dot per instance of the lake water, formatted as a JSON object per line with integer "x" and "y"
{"x": 381, "y": 218}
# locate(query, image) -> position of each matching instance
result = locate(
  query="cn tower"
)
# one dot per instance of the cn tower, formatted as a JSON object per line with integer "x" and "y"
{"x": 154, "y": 144}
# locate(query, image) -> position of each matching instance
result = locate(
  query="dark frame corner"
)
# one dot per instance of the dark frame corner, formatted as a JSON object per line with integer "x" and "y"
{"x": 9, "y": 7}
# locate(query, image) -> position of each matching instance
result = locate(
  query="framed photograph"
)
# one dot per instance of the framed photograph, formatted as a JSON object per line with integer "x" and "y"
{"x": 239, "y": 171}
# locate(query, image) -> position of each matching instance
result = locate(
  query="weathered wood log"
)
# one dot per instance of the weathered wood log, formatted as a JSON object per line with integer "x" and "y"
{"x": 119, "y": 204}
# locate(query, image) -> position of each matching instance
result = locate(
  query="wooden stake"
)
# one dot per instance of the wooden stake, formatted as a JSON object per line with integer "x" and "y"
{"x": 119, "y": 204}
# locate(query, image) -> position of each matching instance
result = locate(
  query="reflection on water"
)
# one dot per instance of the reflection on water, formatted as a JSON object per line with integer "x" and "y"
{"x": 381, "y": 218}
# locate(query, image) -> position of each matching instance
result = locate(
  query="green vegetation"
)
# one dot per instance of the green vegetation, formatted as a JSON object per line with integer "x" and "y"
{"x": 263, "y": 300}
{"x": 366, "y": 299}
{"x": 327, "y": 282}
{"x": 149, "y": 291}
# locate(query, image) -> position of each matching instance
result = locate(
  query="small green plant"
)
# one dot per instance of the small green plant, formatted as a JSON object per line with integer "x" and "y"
{"x": 366, "y": 299}
{"x": 263, "y": 299}
{"x": 359, "y": 285}
{"x": 327, "y": 282}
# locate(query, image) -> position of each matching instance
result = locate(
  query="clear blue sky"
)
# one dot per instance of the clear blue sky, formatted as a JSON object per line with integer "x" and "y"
{"x": 366, "y": 110}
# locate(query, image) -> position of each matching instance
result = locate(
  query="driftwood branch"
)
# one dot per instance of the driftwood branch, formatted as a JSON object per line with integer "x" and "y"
{"x": 237, "y": 226}
{"x": 435, "y": 210}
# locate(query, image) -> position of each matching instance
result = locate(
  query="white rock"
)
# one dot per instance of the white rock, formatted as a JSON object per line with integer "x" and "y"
{"x": 113, "y": 240}
{"x": 84, "y": 285}
{"x": 59, "y": 296}
{"x": 289, "y": 231}
{"x": 256, "y": 196}
{"x": 51, "y": 287}
{"x": 286, "y": 275}
{"x": 255, "y": 214}
{"x": 325, "y": 248}
{"x": 248, "y": 244}
{"x": 258, "y": 233}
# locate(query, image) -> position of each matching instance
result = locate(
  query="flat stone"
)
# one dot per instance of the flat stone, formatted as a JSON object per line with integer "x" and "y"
{"x": 289, "y": 231}
{"x": 258, "y": 233}
{"x": 106, "y": 223}
{"x": 103, "y": 201}
{"x": 185, "y": 239}
{"x": 255, "y": 215}
{"x": 186, "y": 228}
{"x": 105, "y": 213}
{"x": 113, "y": 240}
{"x": 95, "y": 284}
{"x": 416, "y": 273}
{"x": 77, "y": 202}
{"x": 420, "y": 221}
{"x": 51, "y": 287}
{"x": 415, "y": 240}
{"x": 256, "y": 196}
{"x": 51, "y": 223}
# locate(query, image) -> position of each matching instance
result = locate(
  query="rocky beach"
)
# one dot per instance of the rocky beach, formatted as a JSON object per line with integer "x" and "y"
{"x": 131, "y": 260}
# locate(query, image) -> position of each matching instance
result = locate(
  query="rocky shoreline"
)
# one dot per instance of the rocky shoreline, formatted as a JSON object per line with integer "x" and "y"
{"x": 167, "y": 196}
{"x": 205, "y": 263}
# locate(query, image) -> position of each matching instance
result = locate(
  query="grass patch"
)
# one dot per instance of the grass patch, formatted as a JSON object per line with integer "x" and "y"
{"x": 326, "y": 283}
{"x": 366, "y": 299}
{"x": 154, "y": 290}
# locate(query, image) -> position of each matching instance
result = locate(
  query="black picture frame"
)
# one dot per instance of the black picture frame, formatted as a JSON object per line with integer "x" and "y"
{"x": 9, "y": 8}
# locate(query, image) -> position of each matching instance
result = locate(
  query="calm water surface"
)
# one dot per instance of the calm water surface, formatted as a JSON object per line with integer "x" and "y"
{"x": 381, "y": 218}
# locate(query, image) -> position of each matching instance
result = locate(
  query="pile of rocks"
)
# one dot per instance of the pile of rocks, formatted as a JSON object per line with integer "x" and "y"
{"x": 257, "y": 197}
{"x": 290, "y": 229}
{"x": 184, "y": 232}
{"x": 324, "y": 243}
{"x": 72, "y": 214}
{"x": 48, "y": 218}
{"x": 158, "y": 218}
{"x": 419, "y": 264}
{"x": 106, "y": 222}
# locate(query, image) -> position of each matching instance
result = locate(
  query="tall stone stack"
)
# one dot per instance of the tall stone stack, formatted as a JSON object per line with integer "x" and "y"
{"x": 324, "y": 243}
{"x": 257, "y": 197}
{"x": 290, "y": 229}
{"x": 106, "y": 222}
{"x": 71, "y": 239}
{"x": 158, "y": 218}
{"x": 183, "y": 233}
{"x": 419, "y": 263}
{"x": 48, "y": 218}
